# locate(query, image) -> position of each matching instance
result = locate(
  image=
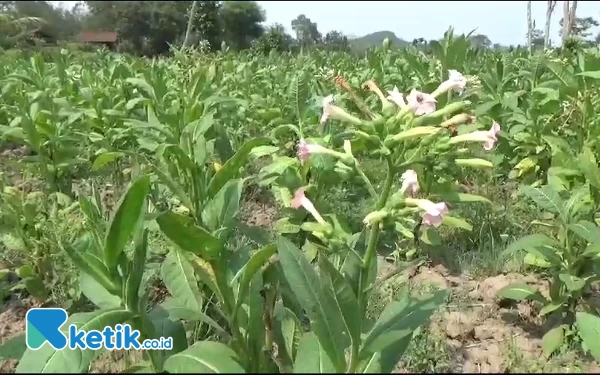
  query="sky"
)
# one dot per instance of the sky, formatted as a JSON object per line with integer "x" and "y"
{"x": 504, "y": 22}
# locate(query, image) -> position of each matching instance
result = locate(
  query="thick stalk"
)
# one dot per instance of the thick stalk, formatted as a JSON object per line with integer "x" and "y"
{"x": 370, "y": 256}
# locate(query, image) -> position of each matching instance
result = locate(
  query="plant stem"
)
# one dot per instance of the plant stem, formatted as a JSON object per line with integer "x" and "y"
{"x": 369, "y": 256}
{"x": 364, "y": 177}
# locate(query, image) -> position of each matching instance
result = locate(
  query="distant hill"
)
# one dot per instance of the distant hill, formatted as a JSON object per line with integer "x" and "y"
{"x": 376, "y": 38}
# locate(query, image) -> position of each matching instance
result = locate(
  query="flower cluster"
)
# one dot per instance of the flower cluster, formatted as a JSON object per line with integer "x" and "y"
{"x": 420, "y": 104}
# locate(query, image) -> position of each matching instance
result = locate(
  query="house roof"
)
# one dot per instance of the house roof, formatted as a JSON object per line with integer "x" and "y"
{"x": 98, "y": 36}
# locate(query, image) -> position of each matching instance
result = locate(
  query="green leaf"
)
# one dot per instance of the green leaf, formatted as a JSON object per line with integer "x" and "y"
{"x": 97, "y": 293}
{"x": 178, "y": 312}
{"x": 344, "y": 297}
{"x": 311, "y": 358}
{"x": 589, "y": 167}
{"x": 178, "y": 276}
{"x": 188, "y": 236}
{"x": 130, "y": 214}
{"x": 586, "y": 230}
{"x": 48, "y": 360}
{"x": 455, "y": 222}
{"x": 86, "y": 262}
{"x": 165, "y": 327}
{"x": 232, "y": 166}
{"x": 592, "y": 74}
{"x": 552, "y": 340}
{"x": 519, "y": 292}
{"x": 13, "y": 348}
{"x": 398, "y": 321}
{"x": 105, "y": 158}
{"x": 546, "y": 198}
{"x": 530, "y": 241}
{"x": 453, "y": 196}
{"x": 223, "y": 207}
{"x": 136, "y": 269}
{"x": 204, "y": 357}
{"x": 589, "y": 330}
{"x": 317, "y": 301}
{"x": 573, "y": 283}
{"x": 247, "y": 272}
{"x": 551, "y": 307}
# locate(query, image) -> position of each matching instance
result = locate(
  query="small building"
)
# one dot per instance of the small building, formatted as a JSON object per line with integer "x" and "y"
{"x": 109, "y": 39}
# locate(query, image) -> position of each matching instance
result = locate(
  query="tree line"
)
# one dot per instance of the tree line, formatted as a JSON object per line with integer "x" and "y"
{"x": 150, "y": 28}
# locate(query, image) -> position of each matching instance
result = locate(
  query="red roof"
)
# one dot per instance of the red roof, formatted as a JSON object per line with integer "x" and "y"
{"x": 98, "y": 36}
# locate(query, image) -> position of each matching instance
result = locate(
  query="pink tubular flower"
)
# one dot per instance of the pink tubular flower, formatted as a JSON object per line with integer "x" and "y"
{"x": 327, "y": 103}
{"x": 301, "y": 200}
{"x": 421, "y": 103}
{"x": 396, "y": 97}
{"x": 409, "y": 182}
{"x": 434, "y": 212}
{"x": 457, "y": 80}
{"x": 488, "y": 137}
{"x": 492, "y": 137}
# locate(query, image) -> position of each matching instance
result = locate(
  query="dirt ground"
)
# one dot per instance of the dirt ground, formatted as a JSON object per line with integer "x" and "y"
{"x": 486, "y": 335}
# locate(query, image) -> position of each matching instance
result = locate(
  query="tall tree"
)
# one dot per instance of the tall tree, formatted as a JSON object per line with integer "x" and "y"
{"x": 242, "y": 22}
{"x": 188, "y": 31}
{"x": 306, "y": 31}
{"x": 569, "y": 16}
{"x": 275, "y": 38}
{"x": 335, "y": 40}
{"x": 579, "y": 27}
{"x": 529, "y": 27}
{"x": 549, "y": 9}
{"x": 481, "y": 41}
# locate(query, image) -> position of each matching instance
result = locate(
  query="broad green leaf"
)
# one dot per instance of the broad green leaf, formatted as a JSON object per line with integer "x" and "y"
{"x": 232, "y": 166}
{"x": 316, "y": 300}
{"x": 344, "y": 297}
{"x": 136, "y": 269}
{"x": 463, "y": 198}
{"x": 455, "y": 222}
{"x": 552, "y": 306}
{"x": 222, "y": 208}
{"x": 178, "y": 312}
{"x": 48, "y": 360}
{"x": 398, "y": 321}
{"x": 97, "y": 293}
{"x": 247, "y": 272}
{"x": 546, "y": 198}
{"x": 530, "y": 241}
{"x": 519, "y": 292}
{"x": 573, "y": 283}
{"x": 130, "y": 214}
{"x": 105, "y": 158}
{"x": 188, "y": 236}
{"x": 13, "y": 348}
{"x": 589, "y": 330}
{"x": 589, "y": 167}
{"x": 84, "y": 259}
{"x": 204, "y": 357}
{"x": 311, "y": 358}
{"x": 553, "y": 340}
{"x": 165, "y": 327}
{"x": 178, "y": 276}
{"x": 587, "y": 230}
